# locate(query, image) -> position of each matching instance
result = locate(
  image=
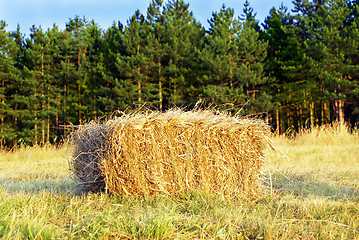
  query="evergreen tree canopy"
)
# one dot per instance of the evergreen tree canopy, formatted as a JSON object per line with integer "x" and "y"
{"x": 297, "y": 69}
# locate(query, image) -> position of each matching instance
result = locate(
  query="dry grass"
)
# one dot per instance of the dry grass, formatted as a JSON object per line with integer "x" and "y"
{"x": 324, "y": 161}
{"x": 171, "y": 153}
{"x": 328, "y": 135}
{"x": 33, "y": 169}
{"x": 314, "y": 183}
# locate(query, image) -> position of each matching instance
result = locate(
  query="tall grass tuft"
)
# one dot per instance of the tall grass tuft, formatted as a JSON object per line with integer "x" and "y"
{"x": 323, "y": 161}
{"x": 329, "y": 134}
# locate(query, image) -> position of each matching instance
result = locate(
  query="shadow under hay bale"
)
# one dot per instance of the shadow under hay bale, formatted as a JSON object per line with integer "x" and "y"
{"x": 171, "y": 153}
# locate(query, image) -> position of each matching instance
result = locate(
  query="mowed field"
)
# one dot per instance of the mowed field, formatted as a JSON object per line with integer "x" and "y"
{"x": 312, "y": 192}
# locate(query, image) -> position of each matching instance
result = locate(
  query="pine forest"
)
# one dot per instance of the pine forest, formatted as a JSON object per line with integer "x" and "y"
{"x": 296, "y": 70}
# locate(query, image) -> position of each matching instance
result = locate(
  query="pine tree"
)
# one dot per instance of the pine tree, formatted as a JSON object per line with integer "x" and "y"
{"x": 134, "y": 63}
{"x": 56, "y": 85}
{"x": 66, "y": 79}
{"x": 112, "y": 93}
{"x": 8, "y": 75}
{"x": 40, "y": 61}
{"x": 252, "y": 52}
{"x": 21, "y": 94}
{"x": 77, "y": 28}
{"x": 157, "y": 49}
{"x": 301, "y": 23}
{"x": 221, "y": 57}
{"x": 250, "y": 17}
{"x": 183, "y": 37}
{"x": 285, "y": 68}
{"x": 235, "y": 56}
{"x": 96, "y": 74}
{"x": 352, "y": 33}
{"x": 326, "y": 49}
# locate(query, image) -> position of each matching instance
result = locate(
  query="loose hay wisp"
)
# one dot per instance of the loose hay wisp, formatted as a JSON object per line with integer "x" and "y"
{"x": 174, "y": 152}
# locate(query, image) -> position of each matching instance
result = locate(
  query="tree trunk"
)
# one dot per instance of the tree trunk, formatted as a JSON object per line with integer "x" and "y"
{"x": 2, "y": 118}
{"x": 43, "y": 103}
{"x": 281, "y": 121}
{"x": 160, "y": 94}
{"x": 339, "y": 110}
{"x": 48, "y": 116}
{"x": 48, "y": 109}
{"x": 66, "y": 87}
{"x": 139, "y": 90}
{"x": 312, "y": 119}
{"x": 64, "y": 105}
{"x": 78, "y": 67}
{"x": 35, "y": 117}
{"x": 42, "y": 132}
{"x": 35, "y": 130}
{"x": 300, "y": 119}
{"x": 48, "y": 129}
{"x": 57, "y": 124}
{"x": 327, "y": 112}
{"x": 277, "y": 131}
{"x": 322, "y": 114}
{"x": 79, "y": 92}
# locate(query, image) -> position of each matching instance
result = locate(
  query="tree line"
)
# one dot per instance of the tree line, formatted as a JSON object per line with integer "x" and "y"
{"x": 297, "y": 69}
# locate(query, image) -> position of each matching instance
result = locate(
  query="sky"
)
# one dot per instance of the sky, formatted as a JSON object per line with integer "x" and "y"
{"x": 45, "y": 13}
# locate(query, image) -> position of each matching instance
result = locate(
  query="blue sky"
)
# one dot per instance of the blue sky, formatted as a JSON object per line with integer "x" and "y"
{"x": 45, "y": 13}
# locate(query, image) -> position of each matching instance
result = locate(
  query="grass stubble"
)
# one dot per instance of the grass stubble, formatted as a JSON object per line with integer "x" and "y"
{"x": 312, "y": 184}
